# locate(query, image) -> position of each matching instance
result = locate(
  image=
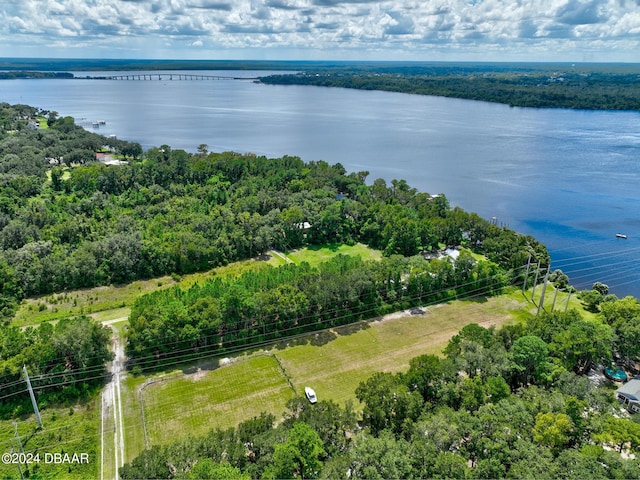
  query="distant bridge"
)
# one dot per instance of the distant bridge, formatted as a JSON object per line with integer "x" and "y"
{"x": 165, "y": 76}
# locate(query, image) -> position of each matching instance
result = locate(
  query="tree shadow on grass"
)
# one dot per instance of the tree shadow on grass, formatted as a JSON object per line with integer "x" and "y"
{"x": 203, "y": 365}
{"x": 334, "y": 247}
{"x": 315, "y": 339}
{"x": 318, "y": 339}
{"x": 353, "y": 327}
{"x": 475, "y": 299}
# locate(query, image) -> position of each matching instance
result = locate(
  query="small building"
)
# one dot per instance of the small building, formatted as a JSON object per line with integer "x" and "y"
{"x": 452, "y": 253}
{"x": 629, "y": 395}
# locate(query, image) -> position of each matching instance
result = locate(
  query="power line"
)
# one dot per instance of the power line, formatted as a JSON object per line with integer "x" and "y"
{"x": 233, "y": 345}
{"x": 272, "y": 318}
{"x": 588, "y": 259}
{"x": 33, "y": 398}
{"x": 187, "y": 401}
{"x": 265, "y": 322}
{"x": 595, "y": 244}
{"x": 191, "y": 354}
{"x": 194, "y": 410}
{"x": 230, "y": 347}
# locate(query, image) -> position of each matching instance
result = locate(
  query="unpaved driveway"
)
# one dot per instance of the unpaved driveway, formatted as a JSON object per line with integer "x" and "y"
{"x": 112, "y": 406}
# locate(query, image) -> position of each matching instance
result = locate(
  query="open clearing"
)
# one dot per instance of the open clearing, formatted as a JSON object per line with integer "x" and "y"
{"x": 333, "y": 362}
{"x": 70, "y": 429}
{"x": 194, "y": 403}
{"x": 166, "y": 406}
{"x": 201, "y": 397}
{"x": 316, "y": 254}
{"x": 110, "y": 302}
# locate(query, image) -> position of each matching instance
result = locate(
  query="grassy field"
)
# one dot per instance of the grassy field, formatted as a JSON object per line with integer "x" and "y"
{"x": 53, "y": 307}
{"x": 315, "y": 255}
{"x": 43, "y": 122}
{"x": 214, "y": 394}
{"x": 112, "y": 302}
{"x": 334, "y": 362}
{"x": 222, "y": 398}
{"x": 69, "y": 430}
{"x": 196, "y": 398}
{"x": 132, "y": 416}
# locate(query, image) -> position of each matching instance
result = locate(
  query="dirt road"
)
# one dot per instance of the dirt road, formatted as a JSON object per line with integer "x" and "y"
{"x": 112, "y": 409}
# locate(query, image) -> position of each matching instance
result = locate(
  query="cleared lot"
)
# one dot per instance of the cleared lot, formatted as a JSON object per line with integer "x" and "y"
{"x": 334, "y": 362}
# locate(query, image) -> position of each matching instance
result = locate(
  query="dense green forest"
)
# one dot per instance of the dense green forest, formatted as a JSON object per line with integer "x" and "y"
{"x": 504, "y": 403}
{"x": 68, "y": 222}
{"x": 259, "y": 307}
{"x": 65, "y": 362}
{"x": 590, "y": 87}
{"x": 34, "y": 75}
{"x": 512, "y": 402}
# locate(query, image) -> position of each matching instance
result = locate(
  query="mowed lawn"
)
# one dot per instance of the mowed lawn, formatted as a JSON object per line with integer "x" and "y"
{"x": 314, "y": 255}
{"x": 332, "y": 362}
{"x": 336, "y": 368}
{"x": 195, "y": 403}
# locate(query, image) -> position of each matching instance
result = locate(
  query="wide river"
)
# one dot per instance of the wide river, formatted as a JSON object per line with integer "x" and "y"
{"x": 570, "y": 178}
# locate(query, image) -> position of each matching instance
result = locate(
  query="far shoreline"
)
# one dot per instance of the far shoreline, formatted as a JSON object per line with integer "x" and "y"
{"x": 559, "y": 85}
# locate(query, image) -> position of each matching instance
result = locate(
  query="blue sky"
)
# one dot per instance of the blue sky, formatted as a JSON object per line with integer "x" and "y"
{"x": 474, "y": 30}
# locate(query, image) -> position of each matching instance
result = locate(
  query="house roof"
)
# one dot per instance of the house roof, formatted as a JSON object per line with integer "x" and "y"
{"x": 631, "y": 389}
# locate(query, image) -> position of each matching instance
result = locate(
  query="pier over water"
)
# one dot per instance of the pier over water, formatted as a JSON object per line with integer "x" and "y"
{"x": 164, "y": 76}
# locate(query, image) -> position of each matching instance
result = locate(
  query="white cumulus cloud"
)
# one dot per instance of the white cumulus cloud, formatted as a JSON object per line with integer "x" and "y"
{"x": 603, "y": 30}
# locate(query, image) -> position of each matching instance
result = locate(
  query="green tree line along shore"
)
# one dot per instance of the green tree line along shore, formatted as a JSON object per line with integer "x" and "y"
{"x": 582, "y": 86}
{"x": 507, "y": 402}
{"x": 541, "y": 85}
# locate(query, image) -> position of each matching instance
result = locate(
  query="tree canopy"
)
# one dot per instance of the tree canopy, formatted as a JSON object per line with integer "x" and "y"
{"x": 525, "y": 85}
{"x": 433, "y": 421}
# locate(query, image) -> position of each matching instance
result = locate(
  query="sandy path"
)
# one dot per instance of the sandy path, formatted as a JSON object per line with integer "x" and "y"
{"x": 112, "y": 404}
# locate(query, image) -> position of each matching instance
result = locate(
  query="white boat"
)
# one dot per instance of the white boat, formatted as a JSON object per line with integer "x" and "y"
{"x": 310, "y": 394}
{"x": 620, "y": 235}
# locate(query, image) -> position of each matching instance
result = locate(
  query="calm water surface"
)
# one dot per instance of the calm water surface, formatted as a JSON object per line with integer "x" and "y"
{"x": 570, "y": 178}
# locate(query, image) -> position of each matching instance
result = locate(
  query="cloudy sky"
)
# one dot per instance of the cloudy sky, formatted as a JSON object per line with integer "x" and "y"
{"x": 481, "y": 30}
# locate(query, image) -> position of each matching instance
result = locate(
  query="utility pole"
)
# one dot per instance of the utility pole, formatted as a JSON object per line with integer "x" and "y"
{"x": 566, "y": 305}
{"x": 526, "y": 275}
{"x": 544, "y": 289}
{"x": 20, "y": 451}
{"x": 33, "y": 397}
{"x": 555, "y": 295}
{"x": 13, "y": 450}
{"x": 535, "y": 283}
